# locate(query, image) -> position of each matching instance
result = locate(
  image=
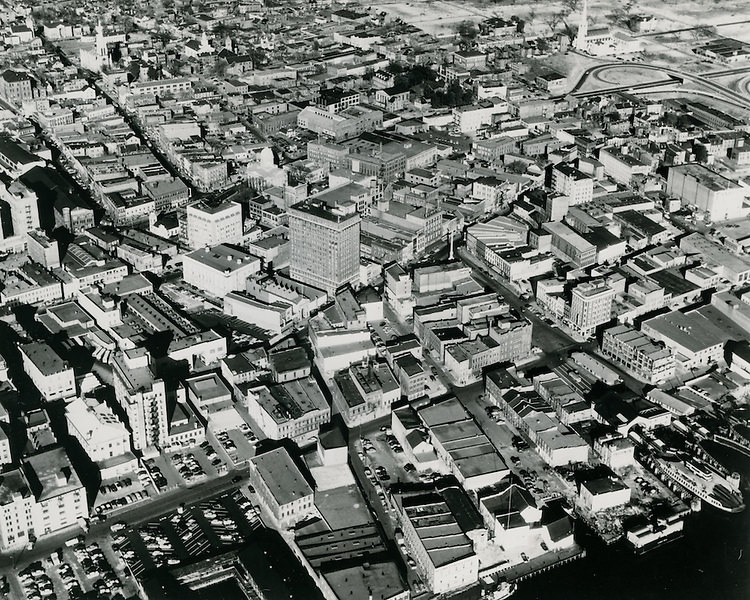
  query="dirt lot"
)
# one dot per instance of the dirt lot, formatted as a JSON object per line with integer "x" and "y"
{"x": 440, "y": 17}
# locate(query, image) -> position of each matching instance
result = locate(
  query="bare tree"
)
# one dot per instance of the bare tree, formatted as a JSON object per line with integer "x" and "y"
{"x": 553, "y": 20}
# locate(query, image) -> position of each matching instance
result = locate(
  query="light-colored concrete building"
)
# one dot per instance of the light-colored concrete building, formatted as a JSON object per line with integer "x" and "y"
{"x": 50, "y": 374}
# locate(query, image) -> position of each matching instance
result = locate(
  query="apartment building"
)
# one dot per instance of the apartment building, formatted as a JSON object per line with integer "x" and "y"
{"x": 343, "y": 125}
{"x": 220, "y": 269}
{"x": 42, "y": 496}
{"x": 101, "y": 434}
{"x": 576, "y": 185}
{"x": 590, "y": 306}
{"x": 721, "y": 199}
{"x": 43, "y": 250}
{"x": 294, "y": 409}
{"x": 16, "y": 86}
{"x": 142, "y": 397}
{"x": 364, "y": 392}
{"x": 24, "y": 207}
{"x": 211, "y": 399}
{"x": 211, "y": 224}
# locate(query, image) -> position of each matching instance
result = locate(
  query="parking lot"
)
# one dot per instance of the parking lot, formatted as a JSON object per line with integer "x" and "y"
{"x": 209, "y": 527}
{"x": 197, "y": 464}
{"x": 122, "y": 492}
{"x": 235, "y": 446}
{"x": 72, "y": 572}
{"x": 542, "y": 481}
{"x": 385, "y": 461}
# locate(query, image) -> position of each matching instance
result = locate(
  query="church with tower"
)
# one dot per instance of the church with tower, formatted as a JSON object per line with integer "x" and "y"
{"x": 97, "y": 58}
{"x": 602, "y": 41}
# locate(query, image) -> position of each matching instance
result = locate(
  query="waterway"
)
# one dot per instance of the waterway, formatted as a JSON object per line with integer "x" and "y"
{"x": 711, "y": 561}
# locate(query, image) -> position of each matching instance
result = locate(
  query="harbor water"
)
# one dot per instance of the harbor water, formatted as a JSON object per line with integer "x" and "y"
{"x": 710, "y": 562}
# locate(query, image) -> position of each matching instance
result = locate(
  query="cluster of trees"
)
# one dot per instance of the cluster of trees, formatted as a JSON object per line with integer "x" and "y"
{"x": 406, "y": 79}
{"x": 421, "y": 76}
{"x": 453, "y": 95}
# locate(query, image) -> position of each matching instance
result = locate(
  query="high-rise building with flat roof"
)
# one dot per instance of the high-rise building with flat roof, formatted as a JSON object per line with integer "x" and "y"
{"x": 210, "y": 224}
{"x": 325, "y": 244}
{"x": 590, "y": 306}
{"x": 142, "y": 396}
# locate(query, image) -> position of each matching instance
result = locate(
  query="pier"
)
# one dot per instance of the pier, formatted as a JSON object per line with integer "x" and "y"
{"x": 543, "y": 563}
{"x": 742, "y": 446}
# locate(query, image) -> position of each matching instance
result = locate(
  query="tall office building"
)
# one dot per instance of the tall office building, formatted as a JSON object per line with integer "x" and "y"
{"x": 325, "y": 244}
{"x": 590, "y": 306}
{"x": 210, "y": 224}
{"x": 576, "y": 185}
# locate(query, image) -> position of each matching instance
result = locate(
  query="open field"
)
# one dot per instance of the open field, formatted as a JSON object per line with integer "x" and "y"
{"x": 439, "y": 17}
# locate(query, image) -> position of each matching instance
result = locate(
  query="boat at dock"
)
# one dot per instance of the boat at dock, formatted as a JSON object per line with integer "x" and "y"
{"x": 647, "y": 533}
{"x": 685, "y": 471}
{"x": 501, "y": 592}
{"x": 702, "y": 481}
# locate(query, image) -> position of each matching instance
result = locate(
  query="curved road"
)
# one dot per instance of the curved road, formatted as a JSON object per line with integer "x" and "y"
{"x": 703, "y": 80}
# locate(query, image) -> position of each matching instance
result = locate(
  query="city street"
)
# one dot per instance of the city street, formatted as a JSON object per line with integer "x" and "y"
{"x": 552, "y": 340}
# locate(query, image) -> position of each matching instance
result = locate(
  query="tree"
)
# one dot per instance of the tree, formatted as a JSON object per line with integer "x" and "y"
{"x": 163, "y": 36}
{"x": 553, "y": 20}
{"x": 222, "y": 30}
{"x": 453, "y": 95}
{"x": 468, "y": 33}
{"x": 258, "y": 55}
{"x": 220, "y": 67}
{"x": 531, "y": 17}
{"x": 517, "y": 166}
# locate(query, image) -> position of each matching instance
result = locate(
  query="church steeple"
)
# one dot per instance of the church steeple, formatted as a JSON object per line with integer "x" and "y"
{"x": 205, "y": 46}
{"x": 583, "y": 28}
{"x": 101, "y": 42}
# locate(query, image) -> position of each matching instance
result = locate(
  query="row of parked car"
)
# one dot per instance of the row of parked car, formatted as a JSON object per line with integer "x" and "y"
{"x": 188, "y": 466}
{"x": 153, "y": 469}
{"x": 122, "y": 501}
{"x": 95, "y": 565}
{"x": 394, "y": 443}
{"x": 112, "y": 488}
{"x": 36, "y": 583}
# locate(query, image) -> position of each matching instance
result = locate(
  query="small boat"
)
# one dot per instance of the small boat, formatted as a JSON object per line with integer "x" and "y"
{"x": 501, "y": 592}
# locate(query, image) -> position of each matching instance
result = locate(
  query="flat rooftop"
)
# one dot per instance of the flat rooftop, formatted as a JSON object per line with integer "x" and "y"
{"x": 50, "y": 474}
{"x": 708, "y": 178}
{"x": 44, "y": 358}
{"x": 208, "y": 388}
{"x": 282, "y": 477}
{"x": 223, "y": 258}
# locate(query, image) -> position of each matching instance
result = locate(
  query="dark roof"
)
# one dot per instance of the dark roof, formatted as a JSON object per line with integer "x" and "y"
{"x": 12, "y": 76}
{"x": 332, "y": 438}
{"x": 601, "y": 238}
{"x": 16, "y": 153}
{"x": 466, "y": 514}
{"x": 291, "y": 359}
{"x": 673, "y": 282}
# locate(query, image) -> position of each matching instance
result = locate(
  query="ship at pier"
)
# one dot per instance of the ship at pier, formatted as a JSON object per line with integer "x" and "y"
{"x": 687, "y": 472}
